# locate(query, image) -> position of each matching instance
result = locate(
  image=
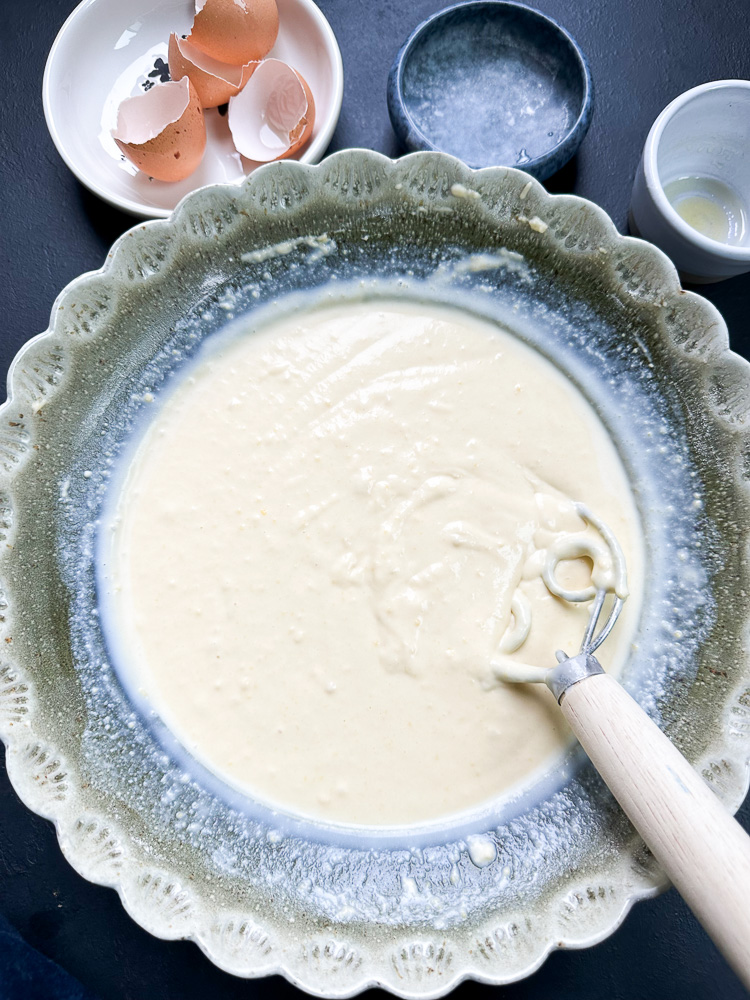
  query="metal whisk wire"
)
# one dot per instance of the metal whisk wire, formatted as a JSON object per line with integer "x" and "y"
{"x": 593, "y": 640}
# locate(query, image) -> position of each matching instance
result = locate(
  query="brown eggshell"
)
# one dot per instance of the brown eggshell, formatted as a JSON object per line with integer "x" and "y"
{"x": 235, "y": 31}
{"x": 214, "y": 81}
{"x": 248, "y": 69}
{"x": 302, "y": 133}
{"x": 163, "y": 131}
{"x": 273, "y": 115}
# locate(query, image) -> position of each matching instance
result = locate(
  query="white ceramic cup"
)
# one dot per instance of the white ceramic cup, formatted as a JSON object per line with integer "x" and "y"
{"x": 703, "y": 133}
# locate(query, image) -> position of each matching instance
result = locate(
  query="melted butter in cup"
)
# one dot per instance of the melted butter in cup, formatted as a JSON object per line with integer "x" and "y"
{"x": 709, "y": 206}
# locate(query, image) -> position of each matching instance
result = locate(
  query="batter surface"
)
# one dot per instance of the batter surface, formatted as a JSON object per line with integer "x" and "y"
{"x": 331, "y": 531}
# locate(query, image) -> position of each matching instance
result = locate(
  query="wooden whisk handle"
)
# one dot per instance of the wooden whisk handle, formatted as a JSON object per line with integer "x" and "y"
{"x": 703, "y": 850}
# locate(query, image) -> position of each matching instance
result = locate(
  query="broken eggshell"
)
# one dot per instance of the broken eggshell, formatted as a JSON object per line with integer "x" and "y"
{"x": 214, "y": 81}
{"x": 273, "y": 115}
{"x": 163, "y": 132}
{"x": 235, "y": 31}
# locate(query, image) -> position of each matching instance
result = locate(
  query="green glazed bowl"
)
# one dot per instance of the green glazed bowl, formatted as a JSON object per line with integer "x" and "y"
{"x": 337, "y": 910}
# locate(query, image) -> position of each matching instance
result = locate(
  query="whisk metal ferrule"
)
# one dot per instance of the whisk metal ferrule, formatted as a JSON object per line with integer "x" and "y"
{"x": 570, "y": 671}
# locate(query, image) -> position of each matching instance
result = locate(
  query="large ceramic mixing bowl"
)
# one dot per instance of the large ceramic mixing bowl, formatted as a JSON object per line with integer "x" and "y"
{"x": 334, "y": 909}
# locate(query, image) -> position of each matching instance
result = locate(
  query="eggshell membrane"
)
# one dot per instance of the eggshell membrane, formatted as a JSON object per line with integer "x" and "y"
{"x": 273, "y": 115}
{"x": 214, "y": 81}
{"x": 235, "y": 31}
{"x": 163, "y": 131}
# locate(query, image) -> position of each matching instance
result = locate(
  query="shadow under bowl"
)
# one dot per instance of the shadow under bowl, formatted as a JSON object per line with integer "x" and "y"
{"x": 492, "y": 83}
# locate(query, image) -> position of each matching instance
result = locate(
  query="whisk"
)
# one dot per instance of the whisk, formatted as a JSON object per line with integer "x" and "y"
{"x": 700, "y": 846}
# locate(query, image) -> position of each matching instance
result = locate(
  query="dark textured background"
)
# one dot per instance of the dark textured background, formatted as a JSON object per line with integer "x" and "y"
{"x": 642, "y": 54}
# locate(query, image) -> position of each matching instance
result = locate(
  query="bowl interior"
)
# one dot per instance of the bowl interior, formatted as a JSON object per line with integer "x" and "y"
{"x": 107, "y": 51}
{"x": 493, "y": 83}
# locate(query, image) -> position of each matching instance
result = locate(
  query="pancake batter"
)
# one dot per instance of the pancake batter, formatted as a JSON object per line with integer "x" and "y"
{"x": 330, "y": 531}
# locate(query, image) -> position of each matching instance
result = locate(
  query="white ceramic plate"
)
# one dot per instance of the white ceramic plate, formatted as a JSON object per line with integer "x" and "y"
{"x": 108, "y": 49}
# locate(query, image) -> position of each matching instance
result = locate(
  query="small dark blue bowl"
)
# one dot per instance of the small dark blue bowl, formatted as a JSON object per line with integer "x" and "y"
{"x": 493, "y": 83}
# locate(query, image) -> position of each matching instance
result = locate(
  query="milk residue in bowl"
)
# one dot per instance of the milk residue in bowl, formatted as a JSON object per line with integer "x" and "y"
{"x": 330, "y": 530}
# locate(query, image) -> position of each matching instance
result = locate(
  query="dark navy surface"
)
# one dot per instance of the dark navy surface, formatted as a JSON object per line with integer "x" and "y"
{"x": 492, "y": 82}
{"x": 26, "y": 972}
{"x": 642, "y": 54}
